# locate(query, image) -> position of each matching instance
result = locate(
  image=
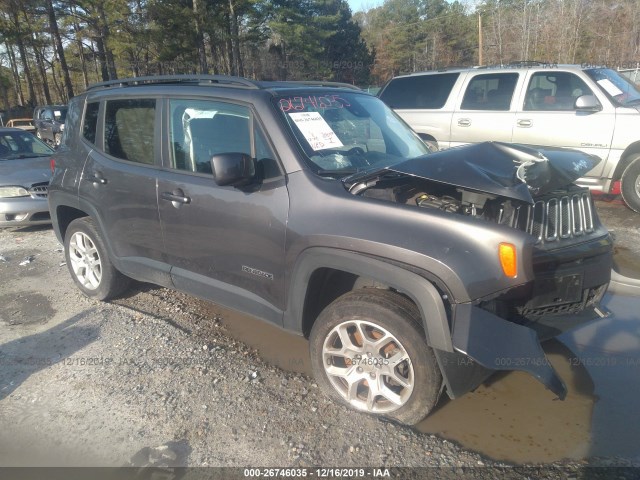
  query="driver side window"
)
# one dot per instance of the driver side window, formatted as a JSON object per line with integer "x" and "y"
{"x": 554, "y": 91}
{"x": 200, "y": 129}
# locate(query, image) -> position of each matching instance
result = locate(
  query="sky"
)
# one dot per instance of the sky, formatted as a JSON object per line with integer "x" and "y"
{"x": 357, "y": 5}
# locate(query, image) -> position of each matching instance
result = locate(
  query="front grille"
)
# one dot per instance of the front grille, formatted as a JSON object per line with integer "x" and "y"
{"x": 555, "y": 217}
{"x": 39, "y": 190}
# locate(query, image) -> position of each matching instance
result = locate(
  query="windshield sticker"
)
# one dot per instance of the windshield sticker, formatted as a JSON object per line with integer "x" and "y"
{"x": 610, "y": 88}
{"x": 315, "y": 130}
{"x": 302, "y": 103}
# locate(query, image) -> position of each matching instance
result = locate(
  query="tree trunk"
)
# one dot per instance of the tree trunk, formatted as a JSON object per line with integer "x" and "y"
{"x": 53, "y": 25}
{"x": 105, "y": 34}
{"x": 235, "y": 41}
{"x": 16, "y": 77}
{"x": 22, "y": 51}
{"x": 202, "y": 54}
{"x": 102, "y": 58}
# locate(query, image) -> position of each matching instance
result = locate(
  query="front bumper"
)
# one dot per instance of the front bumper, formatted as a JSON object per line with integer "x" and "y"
{"x": 504, "y": 333}
{"x": 24, "y": 211}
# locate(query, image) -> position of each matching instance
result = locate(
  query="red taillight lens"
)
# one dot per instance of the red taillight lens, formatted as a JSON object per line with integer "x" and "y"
{"x": 52, "y": 164}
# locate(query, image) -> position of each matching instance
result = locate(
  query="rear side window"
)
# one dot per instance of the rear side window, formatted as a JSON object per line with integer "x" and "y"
{"x": 128, "y": 129}
{"x": 492, "y": 91}
{"x": 419, "y": 92}
{"x": 90, "y": 124}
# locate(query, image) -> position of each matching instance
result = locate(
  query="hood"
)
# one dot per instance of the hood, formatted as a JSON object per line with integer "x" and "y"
{"x": 25, "y": 171}
{"x": 508, "y": 170}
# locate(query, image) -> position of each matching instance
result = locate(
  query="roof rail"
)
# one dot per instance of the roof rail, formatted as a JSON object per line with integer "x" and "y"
{"x": 222, "y": 80}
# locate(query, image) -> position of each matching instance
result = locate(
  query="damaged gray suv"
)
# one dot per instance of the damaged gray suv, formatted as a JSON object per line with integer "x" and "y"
{"x": 314, "y": 207}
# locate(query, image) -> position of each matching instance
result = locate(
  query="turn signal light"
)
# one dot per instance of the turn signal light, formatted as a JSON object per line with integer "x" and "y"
{"x": 508, "y": 261}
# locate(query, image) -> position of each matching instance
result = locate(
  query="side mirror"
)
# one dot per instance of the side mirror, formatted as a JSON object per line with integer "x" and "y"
{"x": 235, "y": 169}
{"x": 588, "y": 103}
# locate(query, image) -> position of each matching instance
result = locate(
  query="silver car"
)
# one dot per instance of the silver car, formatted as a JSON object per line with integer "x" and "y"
{"x": 25, "y": 171}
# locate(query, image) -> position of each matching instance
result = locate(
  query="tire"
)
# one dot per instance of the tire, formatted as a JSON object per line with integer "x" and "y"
{"x": 630, "y": 184}
{"x": 88, "y": 262}
{"x": 408, "y": 388}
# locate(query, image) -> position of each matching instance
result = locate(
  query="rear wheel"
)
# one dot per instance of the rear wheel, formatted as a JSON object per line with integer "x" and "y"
{"x": 368, "y": 351}
{"x": 88, "y": 262}
{"x": 630, "y": 184}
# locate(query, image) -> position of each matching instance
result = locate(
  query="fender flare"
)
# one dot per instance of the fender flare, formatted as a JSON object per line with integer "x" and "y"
{"x": 420, "y": 290}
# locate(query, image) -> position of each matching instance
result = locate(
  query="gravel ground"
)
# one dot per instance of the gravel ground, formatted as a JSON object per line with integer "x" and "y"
{"x": 151, "y": 379}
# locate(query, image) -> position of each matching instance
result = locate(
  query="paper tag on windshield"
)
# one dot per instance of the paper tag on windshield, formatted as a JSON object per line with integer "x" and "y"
{"x": 316, "y": 131}
{"x": 610, "y": 88}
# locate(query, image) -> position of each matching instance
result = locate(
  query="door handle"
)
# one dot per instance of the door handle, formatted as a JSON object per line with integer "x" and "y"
{"x": 525, "y": 123}
{"x": 464, "y": 122}
{"x": 177, "y": 197}
{"x": 96, "y": 179}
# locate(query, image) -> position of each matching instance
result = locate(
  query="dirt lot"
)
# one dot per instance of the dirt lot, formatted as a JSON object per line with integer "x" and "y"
{"x": 159, "y": 377}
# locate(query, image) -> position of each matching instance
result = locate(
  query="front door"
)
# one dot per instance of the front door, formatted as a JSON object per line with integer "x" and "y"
{"x": 224, "y": 244}
{"x": 548, "y": 117}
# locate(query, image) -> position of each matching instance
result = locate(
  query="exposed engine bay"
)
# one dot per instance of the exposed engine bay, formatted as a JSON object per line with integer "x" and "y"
{"x": 422, "y": 193}
{"x": 510, "y": 185}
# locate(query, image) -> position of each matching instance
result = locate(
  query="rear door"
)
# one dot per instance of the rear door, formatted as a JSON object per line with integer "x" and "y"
{"x": 485, "y": 111}
{"x": 118, "y": 183}
{"x": 547, "y": 116}
{"x": 224, "y": 244}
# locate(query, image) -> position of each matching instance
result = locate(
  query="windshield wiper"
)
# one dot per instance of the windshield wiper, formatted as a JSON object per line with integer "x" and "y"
{"x": 333, "y": 173}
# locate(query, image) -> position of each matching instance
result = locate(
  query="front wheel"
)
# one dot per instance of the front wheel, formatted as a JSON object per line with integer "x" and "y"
{"x": 88, "y": 262}
{"x": 368, "y": 351}
{"x": 630, "y": 184}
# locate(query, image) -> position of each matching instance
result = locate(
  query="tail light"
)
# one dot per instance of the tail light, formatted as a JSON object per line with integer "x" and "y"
{"x": 52, "y": 164}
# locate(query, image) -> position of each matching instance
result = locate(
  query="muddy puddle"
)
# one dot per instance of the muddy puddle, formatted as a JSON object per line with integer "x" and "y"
{"x": 276, "y": 346}
{"x": 626, "y": 262}
{"x": 512, "y": 417}
{"x": 25, "y": 308}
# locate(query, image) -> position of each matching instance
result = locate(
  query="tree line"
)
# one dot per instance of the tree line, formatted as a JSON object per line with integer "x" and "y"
{"x": 52, "y": 49}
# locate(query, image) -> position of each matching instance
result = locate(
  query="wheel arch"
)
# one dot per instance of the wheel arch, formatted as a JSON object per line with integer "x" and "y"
{"x": 64, "y": 216}
{"x": 626, "y": 158}
{"x": 341, "y": 270}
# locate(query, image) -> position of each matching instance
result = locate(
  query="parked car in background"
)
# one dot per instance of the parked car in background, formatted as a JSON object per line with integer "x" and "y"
{"x": 49, "y": 121}
{"x": 633, "y": 74}
{"x": 588, "y": 108}
{"x": 25, "y": 124}
{"x": 25, "y": 171}
{"x": 314, "y": 207}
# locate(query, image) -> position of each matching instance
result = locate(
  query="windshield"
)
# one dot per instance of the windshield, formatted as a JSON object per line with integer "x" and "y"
{"x": 348, "y": 132}
{"x": 16, "y": 145}
{"x": 620, "y": 90}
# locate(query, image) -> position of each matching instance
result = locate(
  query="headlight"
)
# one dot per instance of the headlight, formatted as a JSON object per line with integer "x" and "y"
{"x": 62, "y": 127}
{"x": 9, "y": 192}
